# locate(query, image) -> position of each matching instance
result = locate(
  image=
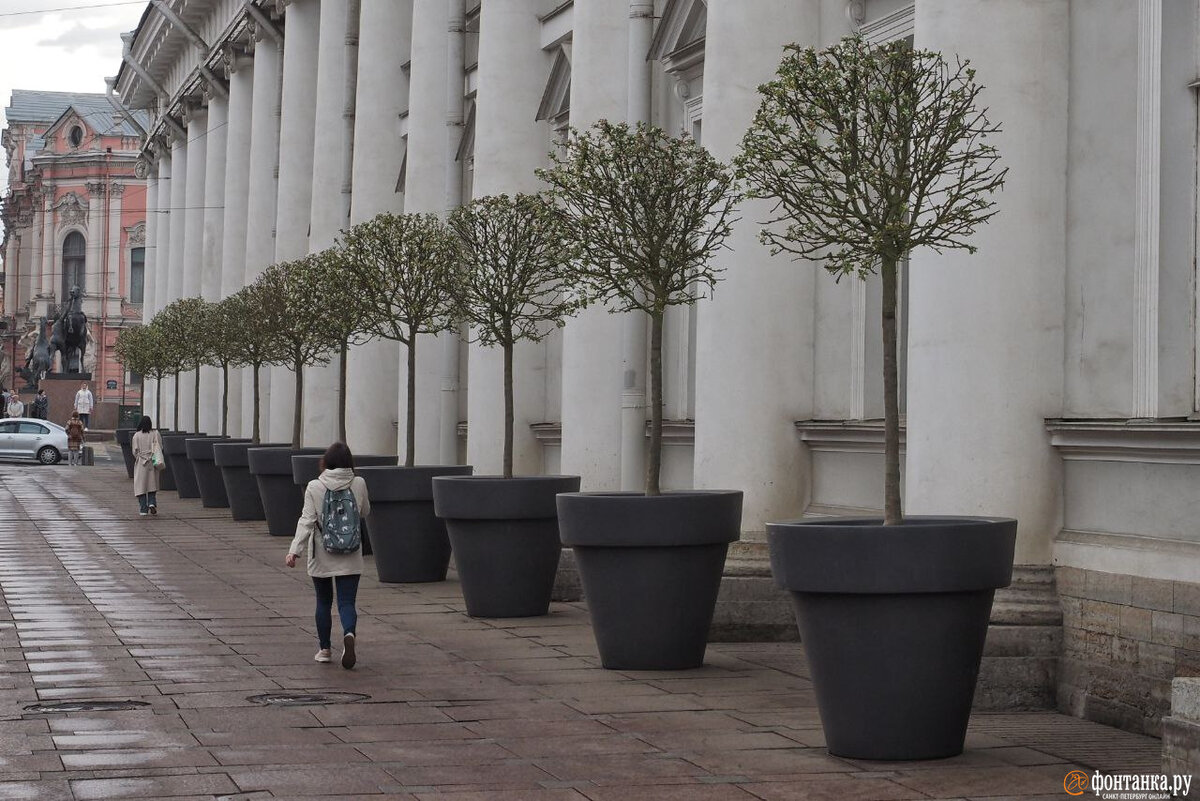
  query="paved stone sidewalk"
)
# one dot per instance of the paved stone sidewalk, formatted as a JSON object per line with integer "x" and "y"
{"x": 192, "y": 613}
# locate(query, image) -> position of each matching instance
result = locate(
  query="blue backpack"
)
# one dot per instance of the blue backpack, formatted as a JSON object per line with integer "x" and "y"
{"x": 340, "y": 522}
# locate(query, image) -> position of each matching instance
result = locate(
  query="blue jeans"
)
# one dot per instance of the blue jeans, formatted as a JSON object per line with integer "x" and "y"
{"x": 347, "y": 590}
{"x": 146, "y": 500}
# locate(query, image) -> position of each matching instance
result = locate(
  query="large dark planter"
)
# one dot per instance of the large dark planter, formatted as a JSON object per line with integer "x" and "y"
{"x": 240, "y": 487}
{"x": 208, "y": 475}
{"x": 893, "y": 621}
{"x": 125, "y": 440}
{"x": 504, "y": 536}
{"x": 410, "y": 541}
{"x": 651, "y": 569}
{"x": 306, "y": 467}
{"x": 282, "y": 498}
{"x": 176, "y": 457}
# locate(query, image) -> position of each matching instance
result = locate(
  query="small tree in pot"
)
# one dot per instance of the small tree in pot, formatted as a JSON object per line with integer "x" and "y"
{"x": 514, "y": 287}
{"x": 646, "y": 212}
{"x": 250, "y": 340}
{"x": 176, "y": 324}
{"x": 869, "y": 152}
{"x": 295, "y": 311}
{"x": 403, "y": 267}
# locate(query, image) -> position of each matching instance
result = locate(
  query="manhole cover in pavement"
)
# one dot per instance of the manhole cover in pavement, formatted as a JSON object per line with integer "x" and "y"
{"x": 306, "y": 699}
{"x": 86, "y": 706}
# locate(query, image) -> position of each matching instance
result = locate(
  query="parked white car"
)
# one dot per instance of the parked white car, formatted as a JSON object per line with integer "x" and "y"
{"x": 30, "y": 438}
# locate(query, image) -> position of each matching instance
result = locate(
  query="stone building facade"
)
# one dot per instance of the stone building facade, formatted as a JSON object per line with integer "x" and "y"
{"x": 1051, "y": 377}
{"x": 74, "y": 215}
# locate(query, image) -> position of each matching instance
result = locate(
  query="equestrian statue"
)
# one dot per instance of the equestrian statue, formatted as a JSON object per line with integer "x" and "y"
{"x": 69, "y": 335}
{"x": 39, "y": 360}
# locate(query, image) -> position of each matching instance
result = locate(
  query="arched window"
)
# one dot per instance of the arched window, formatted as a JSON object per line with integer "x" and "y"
{"x": 137, "y": 275}
{"x": 74, "y": 263}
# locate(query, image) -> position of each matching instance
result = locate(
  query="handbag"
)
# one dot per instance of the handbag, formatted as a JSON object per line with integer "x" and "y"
{"x": 156, "y": 455}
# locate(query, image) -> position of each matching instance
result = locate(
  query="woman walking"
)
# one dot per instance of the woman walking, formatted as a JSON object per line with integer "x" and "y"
{"x": 74, "y": 428}
{"x": 329, "y": 533}
{"x": 145, "y": 473}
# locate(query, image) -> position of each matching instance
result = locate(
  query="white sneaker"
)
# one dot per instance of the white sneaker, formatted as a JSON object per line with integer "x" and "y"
{"x": 348, "y": 658}
{"x": 143, "y": 514}
{"x": 324, "y": 655}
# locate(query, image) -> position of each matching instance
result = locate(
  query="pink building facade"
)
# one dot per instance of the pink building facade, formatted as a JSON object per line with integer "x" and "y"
{"x": 74, "y": 214}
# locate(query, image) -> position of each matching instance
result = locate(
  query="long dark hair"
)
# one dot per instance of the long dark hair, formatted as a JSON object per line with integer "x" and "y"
{"x": 337, "y": 455}
{"x": 144, "y": 425}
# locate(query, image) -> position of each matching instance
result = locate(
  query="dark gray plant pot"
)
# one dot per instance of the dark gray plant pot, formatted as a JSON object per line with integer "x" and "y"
{"x": 125, "y": 440}
{"x": 410, "y": 541}
{"x": 208, "y": 475}
{"x": 240, "y": 487}
{"x": 504, "y": 536}
{"x": 282, "y": 498}
{"x": 651, "y": 569}
{"x": 893, "y": 620}
{"x": 306, "y": 467}
{"x": 175, "y": 477}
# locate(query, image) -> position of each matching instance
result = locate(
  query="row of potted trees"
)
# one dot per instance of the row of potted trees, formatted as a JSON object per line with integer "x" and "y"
{"x": 867, "y": 152}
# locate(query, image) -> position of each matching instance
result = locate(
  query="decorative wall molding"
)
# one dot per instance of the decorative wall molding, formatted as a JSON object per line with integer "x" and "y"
{"x": 1146, "y": 227}
{"x": 845, "y": 436}
{"x": 675, "y": 432}
{"x": 137, "y": 235}
{"x": 1153, "y": 442}
{"x": 71, "y": 210}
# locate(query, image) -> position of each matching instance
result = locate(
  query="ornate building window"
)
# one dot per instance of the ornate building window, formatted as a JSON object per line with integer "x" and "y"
{"x": 75, "y": 137}
{"x": 74, "y": 262}
{"x": 137, "y": 275}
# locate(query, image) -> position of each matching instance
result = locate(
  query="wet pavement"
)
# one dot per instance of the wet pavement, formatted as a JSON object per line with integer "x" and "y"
{"x": 192, "y": 614}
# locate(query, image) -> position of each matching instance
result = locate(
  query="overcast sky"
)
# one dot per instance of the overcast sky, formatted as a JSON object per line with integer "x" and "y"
{"x": 65, "y": 51}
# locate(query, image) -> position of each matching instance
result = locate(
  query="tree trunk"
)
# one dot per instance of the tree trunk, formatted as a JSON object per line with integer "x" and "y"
{"x": 342, "y": 392}
{"x": 176, "y": 402}
{"x": 256, "y": 436}
{"x": 892, "y": 511}
{"x": 225, "y": 399}
{"x": 654, "y": 464}
{"x": 298, "y": 415}
{"x": 158, "y": 402}
{"x": 196, "y": 400}
{"x": 410, "y": 410}
{"x": 508, "y": 410}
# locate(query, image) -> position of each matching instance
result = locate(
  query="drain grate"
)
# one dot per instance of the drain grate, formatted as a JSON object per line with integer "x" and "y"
{"x": 85, "y": 706}
{"x": 306, "y": 699}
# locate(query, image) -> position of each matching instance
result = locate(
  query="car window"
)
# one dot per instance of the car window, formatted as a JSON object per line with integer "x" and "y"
{"x": 8, "y": 428}
{"x": 33, "y": 428}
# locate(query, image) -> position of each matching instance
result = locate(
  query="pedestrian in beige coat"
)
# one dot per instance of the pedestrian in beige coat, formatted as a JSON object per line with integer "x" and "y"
{"x": 145, "y": 475}
{"x": 337, "y": 473}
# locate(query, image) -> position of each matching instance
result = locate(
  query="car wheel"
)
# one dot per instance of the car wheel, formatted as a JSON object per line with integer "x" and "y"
{"x": 49, "y": 455}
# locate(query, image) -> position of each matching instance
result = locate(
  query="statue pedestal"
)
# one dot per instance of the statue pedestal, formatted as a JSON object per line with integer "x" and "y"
{"x": 60, "y": 390}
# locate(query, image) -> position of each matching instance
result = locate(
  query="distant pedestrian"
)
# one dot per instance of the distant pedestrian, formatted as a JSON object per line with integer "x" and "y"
{"x": 15, "y": 407}
{"x": 4, "y": 396}
{"x": 145, "y": 443}
{"x": 74, "y": 440}
{"x": 84, "y": 403}
{"x": 329, "y": 533}
{"x": 41, "y": 405}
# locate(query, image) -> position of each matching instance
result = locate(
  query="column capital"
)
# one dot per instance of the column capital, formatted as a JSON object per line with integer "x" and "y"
{"x": 95, "y": 189}
{"x": 117, "y": 190}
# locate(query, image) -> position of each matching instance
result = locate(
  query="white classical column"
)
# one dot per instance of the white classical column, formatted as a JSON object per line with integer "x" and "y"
{"x": 591, "y": 370}
{"x": 48, "y": 273}
{"x": 149, "y": 266}
{"x": 95, "y": 255}
{"x": 747, "y": 398}
{"x": 337, "y": 59}
{"x": 985, "y": 355}
{"x": 429, "y": 157}
{"x": 112, "y": 270}
{"x": 162, "y": 239}
{"x": 509, "y": 145}
{"x": 193, "y": 243}
{"x": 237, "y": 204}
{"x": 262, "y": 197}
{"x": 294, "y": 199}
{"x": 212, "y": 243}
{"x": 177, "y": 237}
{"x": 33, "y": 249}
{"x": 384, "y": 47}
